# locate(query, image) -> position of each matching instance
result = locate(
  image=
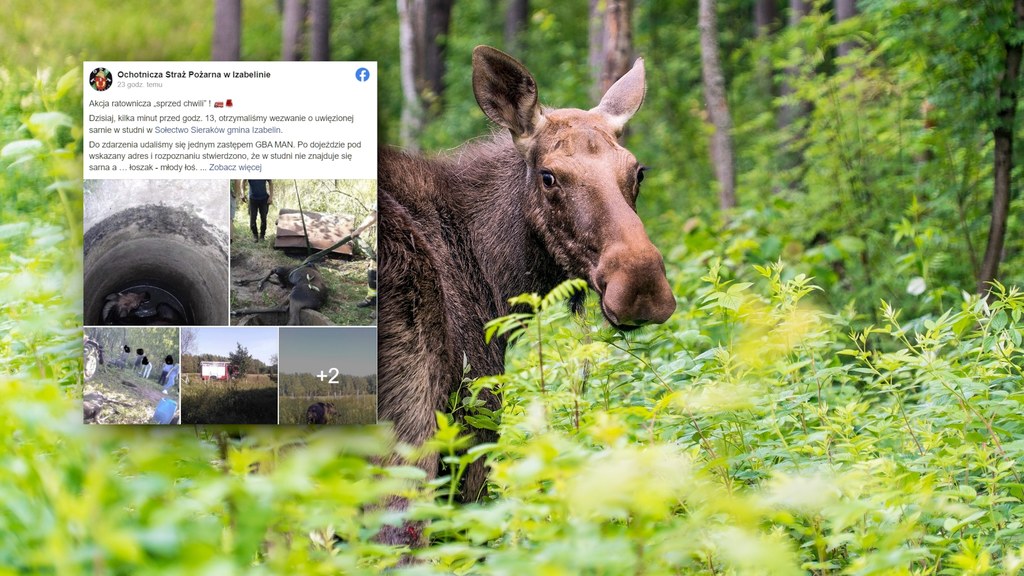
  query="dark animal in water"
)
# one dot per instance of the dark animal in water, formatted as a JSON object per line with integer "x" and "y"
{"x": 307, "y": 291}
{"x": 166, "y": 315}
{"x": 550, "y": 198}
{"x": 162, "y": 314}
{"x": 120, "y": 304}
{"x": 138, "y": 309}
{"x": 320, "y": 413}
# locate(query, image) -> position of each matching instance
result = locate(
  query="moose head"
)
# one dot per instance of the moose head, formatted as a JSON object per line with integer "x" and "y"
{"x": 583, "y": 186}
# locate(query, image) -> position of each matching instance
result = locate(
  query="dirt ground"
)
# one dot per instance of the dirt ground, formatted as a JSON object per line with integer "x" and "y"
{"x": 251, "y": 261}
{"x": 127, "y": 398}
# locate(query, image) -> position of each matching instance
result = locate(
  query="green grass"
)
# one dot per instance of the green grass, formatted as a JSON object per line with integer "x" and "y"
{"x": 251, "y": 400}
{"x": 351, "y": 409}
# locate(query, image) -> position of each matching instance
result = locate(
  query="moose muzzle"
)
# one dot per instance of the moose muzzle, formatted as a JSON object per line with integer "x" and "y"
{"x": 630, "y": 277}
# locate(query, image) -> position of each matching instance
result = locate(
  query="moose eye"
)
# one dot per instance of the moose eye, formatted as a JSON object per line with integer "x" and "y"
{"x": 547, "y": 178}
{"x": 640, "y": 174}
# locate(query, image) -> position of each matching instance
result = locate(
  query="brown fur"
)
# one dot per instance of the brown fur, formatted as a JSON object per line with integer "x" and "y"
{"x": 120, "y": 304}
{"x": 320, "y": 413}
{"x": 463, "y": 233}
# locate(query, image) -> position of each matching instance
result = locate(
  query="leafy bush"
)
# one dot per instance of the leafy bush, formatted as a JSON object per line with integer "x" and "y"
{"x": 250, "y": 399}
{"x": 769, "y": 427}
{"x": 752, "y": 436}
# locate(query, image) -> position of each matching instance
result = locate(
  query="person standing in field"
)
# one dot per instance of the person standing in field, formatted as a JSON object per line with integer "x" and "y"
{"x": 168, "y": 374}
{"x": 261, "y": 195}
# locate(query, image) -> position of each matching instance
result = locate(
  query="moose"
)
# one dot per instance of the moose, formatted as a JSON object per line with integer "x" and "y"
{"x": 550, "y": 197}
{"x": 306, "y": 290}
{"x": 119, "y": 305}
{"x": 320, "y": 413}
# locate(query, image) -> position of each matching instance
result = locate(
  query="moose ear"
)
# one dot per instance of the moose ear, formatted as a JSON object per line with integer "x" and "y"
{"x": 506, "y": 92}
{"x": 624, "y": 98}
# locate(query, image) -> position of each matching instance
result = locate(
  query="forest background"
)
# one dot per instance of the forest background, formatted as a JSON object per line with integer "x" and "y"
{"x": 832, "y": 186}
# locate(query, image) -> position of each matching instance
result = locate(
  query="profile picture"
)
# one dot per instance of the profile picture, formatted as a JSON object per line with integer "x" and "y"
{"x": 100, "y": 79}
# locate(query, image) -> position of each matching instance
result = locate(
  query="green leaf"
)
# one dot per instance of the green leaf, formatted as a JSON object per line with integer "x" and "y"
{"x": 45, "y": 124}
{"x": 20, "y": 149}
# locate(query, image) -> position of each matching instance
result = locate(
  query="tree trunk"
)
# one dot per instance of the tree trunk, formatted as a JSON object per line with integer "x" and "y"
{"x": 320, "y": 30}
{"x": 516, "y": 16}
{"x": 1006, "y": 111}
{"x": 412, "y": 109}
{"x": 422, "y": 36}
{"x": 227, "y": 30}
{"x": 291, "y": 29}
{"x": 718, "y": 108}
{"x": 791, "y": 155}
{"x": 765, "y": 16}
{"x": 790, "y": 113}
{"x": 434, "y": 47}
{"x": 611, "y": 42}
{"x": 845, "y": 9}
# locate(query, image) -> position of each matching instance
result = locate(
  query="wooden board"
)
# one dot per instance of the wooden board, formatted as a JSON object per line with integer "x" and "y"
{"x": 324, "y": 230}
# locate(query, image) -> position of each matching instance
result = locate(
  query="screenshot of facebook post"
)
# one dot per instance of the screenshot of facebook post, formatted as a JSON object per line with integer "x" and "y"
{"x": 230, "y": 235}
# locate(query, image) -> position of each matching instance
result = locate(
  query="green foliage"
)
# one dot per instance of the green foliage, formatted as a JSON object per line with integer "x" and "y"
{"x": 751, "y": 434}
{"x": 351, "y": 409}
{"x": 40, "y": 237}
{"x": 863, "y": 192}
{"x": 769, "y": 427}
{"x": 240, "y": 359}
{"x": 248, "y": 399}
{"x": 309, "y": 385}
{"x": 54, "y": 32}
{"x": 156, "y": 342}
{"x": 192, "y": 363}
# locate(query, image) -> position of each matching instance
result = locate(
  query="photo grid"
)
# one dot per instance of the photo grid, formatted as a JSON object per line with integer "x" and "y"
{"x": 230, "y": 265}
{"x": 230, "y": 302}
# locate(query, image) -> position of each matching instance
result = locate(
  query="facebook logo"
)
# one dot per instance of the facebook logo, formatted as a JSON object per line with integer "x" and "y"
{"x": 362, "y": 74}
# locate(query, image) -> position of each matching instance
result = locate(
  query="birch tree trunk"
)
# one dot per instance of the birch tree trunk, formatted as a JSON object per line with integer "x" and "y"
{"x": 412, "y": 109}
{"x": 422, "y": 35}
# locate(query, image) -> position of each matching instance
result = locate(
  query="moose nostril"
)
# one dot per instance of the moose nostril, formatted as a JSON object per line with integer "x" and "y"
{"x": 632, "y": 296}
